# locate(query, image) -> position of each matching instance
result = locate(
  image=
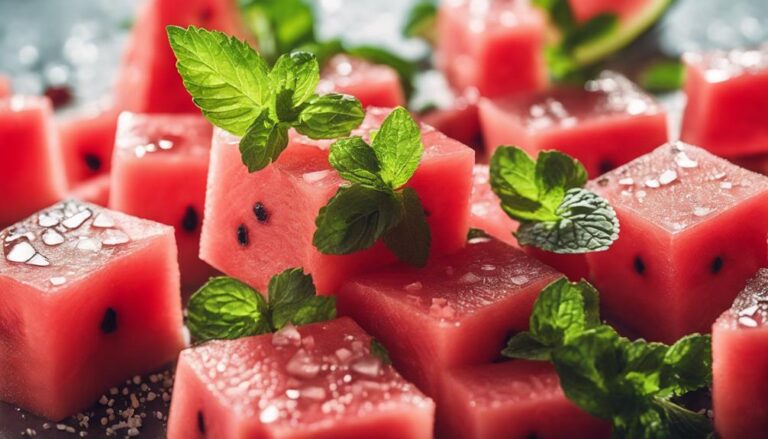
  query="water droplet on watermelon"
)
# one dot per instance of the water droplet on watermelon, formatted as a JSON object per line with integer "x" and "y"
{"x": 20, "y": 252}
{"x": 748, "y": 322}
{"x": 683, "y": 161}
{"x": 313, "y": 392}
{"x": 269, "y": 415}
{"x": 667, "y": 177}
{"x": 38, "y": 260}
{"x": 415, "y": 286}
{"x": 726, "y": 185}
{"x": 488, "y": 267}
{"x": 314, "y": 177}
{"x": 292, "y": 393}
{"x": 652, "y": 183}
{"x": 52, "y": 238}
{"x": 717, "y": 176}
{"x": 286, "y": 336}
{"x": 48, "y": 220}
{"x": 115, "y": 237}
{"x": 343, "y": 354}
{"x": 89, "y": 244}
{"x": 77, "y": 220}
{"x": 520, "y": 279}
{"x": 749, "y": 311}
{"x": 369, "y": 366}
{"x": 702, "y": 211}
{"x": 103, "y": 221}
{"x": 640, "y": 195}
{"x": 627, "y": 181}
{"x": 469, "y": 278}
{"x": 165, "y": 144}
{"x": 58, "y": 281}
{"x": 302, "y": 365}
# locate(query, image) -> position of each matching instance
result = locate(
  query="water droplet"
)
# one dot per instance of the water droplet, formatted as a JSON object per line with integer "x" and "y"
{"x": 58, "y": 281}
{"x": 21, "y": 252}
{"x": 77, "y": 219}
{"x": 343, "y": 354}
{"x": 369, "y": 366}
{"x": 519, "y": 280}
{"x": 103, "y": 221}
{"x": 52, "y": 238}
{"x": 302, "y": 365}
{"x": 748, "y": 322}
{"x": 165, "y": 144}
{"x": 718, "y": 176}
{"x": 115, "y": 237}
{"x": 702, "y": 211}
{"x": 684, "y": 161}
{"x": 651, "y": 183}
{"x": 313, "y": 392}
{"x": 415, "y": 286}
{"x": 469, "y": 278}
{"x": 269, "y": 415}
{"x": 292, "y": 394}
{"x": 47, "y": 220}
{"x": 627, "y": 181}
{"x": 286, "y": 336}
{"x": 748, "y": 311}
{"x": 667, "y": 177}
{"x": 488, "y": 267}
{"x": 726, "y": 185}
{"x": 39, "y": 260}
{"x": 89, "y": 244}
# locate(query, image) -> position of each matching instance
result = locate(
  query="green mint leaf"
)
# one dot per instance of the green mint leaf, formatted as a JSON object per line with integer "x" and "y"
{"x": 293, "y": 299}
{"x": 398, "y": 147}
{"x": 225, "y": 308}
{"x": 356, "y": 162}
{"x": 585, "y": 223}
{"x": 379, "y": 351}
{"x": 513, "y": 179}
{"x": 263, "y": 142}
{"x": 421, "y": 21}
{"x": 280, "y": 26}
{"x": 524, "y": 346}
{"x": 596, "y": 28}
{"x": 687, "y": 365}
{"x": 330, "y": 116}
{"x": 555, "y": 174}
{"x": 663, "y": 76}
{"x": 296, "y": 74}
{"x": 410, "y": 239}
{"x": 683, "y": 423}
{"x": 354, "y": 219}
{"x": 226, "y": 78}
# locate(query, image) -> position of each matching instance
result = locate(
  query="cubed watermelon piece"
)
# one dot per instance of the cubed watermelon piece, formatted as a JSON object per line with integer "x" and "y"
{"x": 259, "y": 224}
{"x": 87, "y": 139}
{"x": 374, "y": 85}
{"x": 318, "y": 381}
{"x": 5, "y": 87}
{"x": 605, "y": 124}
{"x": 727, "y": 100}
{"x": 584, "y": 10}
{"x": 693, "y": 230}
{"x": 148, "y": 81}
{"x": 459, "y": 120}
{"x": 513, "y": 400}
{"x": 94, "y": 190}
{"x": 30, "y": 170}
{"x": 160, "y": 169}
{"x": 740, "y": 360}
{"x": 89, "y": 297}
{"x": 496, "y": 47}
{"x": 457, "y": 311}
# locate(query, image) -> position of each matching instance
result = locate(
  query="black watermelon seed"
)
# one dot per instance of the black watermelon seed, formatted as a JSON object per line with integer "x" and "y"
{"x": 190, "y": 220}
{"x": 109, "y": 322}
{"x": 639, "y": 265}
{"x": 200, "y": 422}
{"x": 92, "y": 161}
{"x": 717, "y": 265}
{"x": 60, "y": 95}
{"x": 261, "y": 212}
{"x": 242, "y": 235}
{"x": 606, "y": 166}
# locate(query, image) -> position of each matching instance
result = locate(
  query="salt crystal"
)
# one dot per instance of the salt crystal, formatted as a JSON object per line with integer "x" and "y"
{"x": 115, "y": 237}
{"x": 46, "y": 220}
{"x": 313, "y": 392}
{"x": 747, "y": 321}
{"x": 58, "y": 281}
{"x": 488, "y": 267}
{"x": 21, "y": 252}
{"x": 269, "y": 415}
{"x": 103, "y": 221}
{"x": 89, "y": 244}
{"x": 667, "y": 177}
{"x": 292, "y": 394}
{"x": 701, "y": 211}
{"x": 52, "y": 238}
{"x": 469, "y": 278}
{"x": 627, "y": 181}
{"x": 369, "y": 366}
{"x": 287, "y": 335}
{"x": 302, "y": 365}
{"x": 415, "y": 286}
{"x": 38, "y": 260}
{"x": 749, "y": 311}
{"x": 77, "y": 219}
{"x": 343, "y": 354}
{"x": 726, "y": 185}
{"x": 684, "y": 161}
{"x": 651, "y": 183}
{"x": 519, "y": 280}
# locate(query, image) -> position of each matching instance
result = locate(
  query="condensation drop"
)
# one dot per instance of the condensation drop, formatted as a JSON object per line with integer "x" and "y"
{"x": 39, "y": 260}
{"x": 58, "y": 281}
{"x": 52, "y": 237}
{"x": 115, "y": 237}
{"x": 21, "y": 252}
{"x": 77, "y": 219}
{"x": 103, "y": 221}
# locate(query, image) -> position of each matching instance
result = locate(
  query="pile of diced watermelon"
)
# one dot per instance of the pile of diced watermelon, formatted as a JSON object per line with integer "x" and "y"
{"x": 112, "y": 215}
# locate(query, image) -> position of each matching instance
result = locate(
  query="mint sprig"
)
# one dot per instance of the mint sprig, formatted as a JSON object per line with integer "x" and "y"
{"x": 225, "y": 308}
{"x": 236, "y": 91}
{"x": 630, "y": 383}
{"x": 421, "y": 21}
{"x": 375, "y": 205}
{"x": 663, "y": 76}
{"x": 546, "y": 196}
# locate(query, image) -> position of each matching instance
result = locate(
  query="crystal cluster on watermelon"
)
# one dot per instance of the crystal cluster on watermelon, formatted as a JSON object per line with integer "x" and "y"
{"x": 373, "y": 85}
{"x": 259, "y": 224}
{"x": 90, "y": 297}
{"x": 607, "y": 123}
{"x": 30, "y": 175}
{"x": 478, "y": 37}
{"x": 160, "y": 170}
{"x": 513, "y": 400}
{"x": 693, "y": 230}
{"x": 727, "y": 99}
{"x": 740, "y": 359}
{"x": 318, "y": 381}
{"x": 87, "y": 139}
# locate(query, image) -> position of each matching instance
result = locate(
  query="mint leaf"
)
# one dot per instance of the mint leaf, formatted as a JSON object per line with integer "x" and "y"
{"x": 663, "y": 76}
{"x": 686, "y": 365}
{"x": 330, "y": 116}
{"x": 226, "y": 78}
{"x": 225, "y": 308}
{"x": 524, "y": 346}
{"x": 298, "y": 74}
{"x": 293, "y": 299}
{"x": 513, "y": 179}
{"x": 410, "y": 239}
{"x": 356, "y": 162}
{"x": 421, "y": 21}
{"x": 555, "y": 174}
{"x": 279, "y": 25}
{"x": 354, "y": 219}
{"x": 263, "y": 142}
{"x": 585, "y": 222}
{"x": 379, "y": 351}
{"x": 398, "y": 147}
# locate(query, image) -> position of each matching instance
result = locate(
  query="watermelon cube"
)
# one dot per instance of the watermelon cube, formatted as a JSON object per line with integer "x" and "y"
{"x": 159, "y": 172}
{"x": 739, "y": 347}
{"x": 5, "y": 87}
{"x": 374, "y": 85}
{"x": 89, "y": 297}
{"x": 605, "y": 124}
{"x": 459, "y": 120}
{"x": 584, "y": 10}
{"x": 87, "y": 139}
{"x": 457, "y": 311}
{"x": 148, "y": 81}
{"x": 496, "y": 47}
{"x": 30, "y": 173}
{"x": 513, "y": 400}
{"x": 318, "y": 381}
{"x": 693, "y": 230}
{"x": 94, "y": 190}
{"x": 259, "y": 224}
{"x": 727, "y": 100}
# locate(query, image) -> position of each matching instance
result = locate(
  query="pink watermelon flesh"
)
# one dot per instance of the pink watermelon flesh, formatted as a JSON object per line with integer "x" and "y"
{"x": 5, "y": 87}
{"x": 495, "y": 47}
{"x": 259, "y": 224}
{"x": 89, "y": 297}
{"x": 372, "y": 84}
{"x": 604, "y": 125}
{"x": 94, "y": 190}
{"x": 740, "y": 359}
{"x": 159, "y": 173}
{"x": 727, "y": 100}
{"x": 457, "y": 311}
{"x": 30, "y": 173}
{"x": 459, "y": 120}
{"x": 87, "y": 140}
{"x": 513, "y": 400}
{"x": 319, "y": 381}
{"x": 148, "y": 81}
{"x": 486, "y": 214}
{"x": 693, "y": 230}
{"x": 584, "y": 10}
